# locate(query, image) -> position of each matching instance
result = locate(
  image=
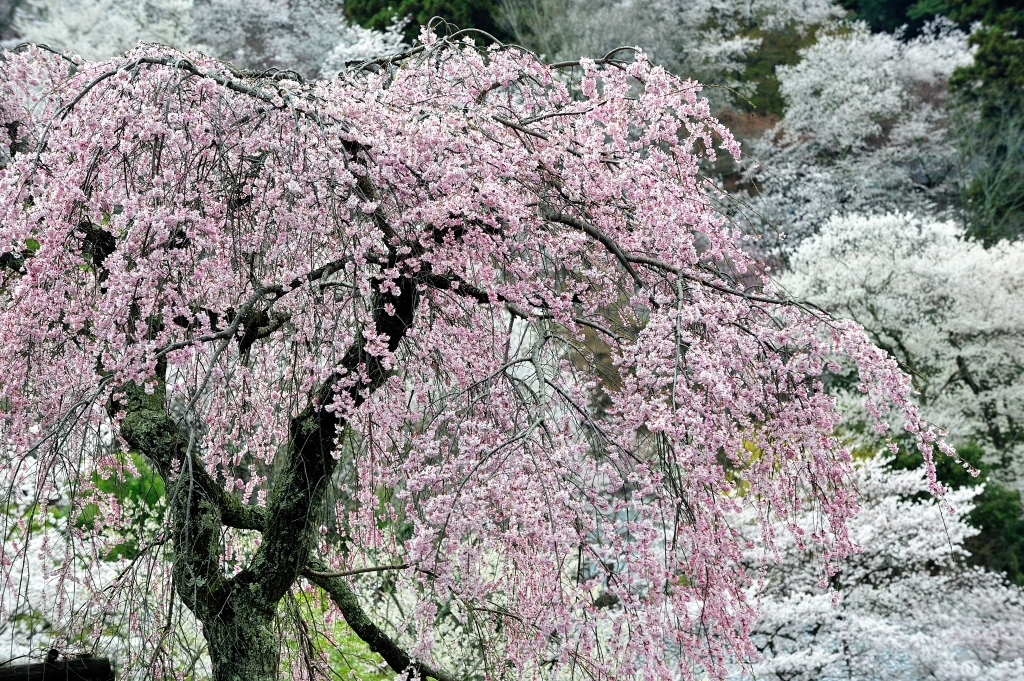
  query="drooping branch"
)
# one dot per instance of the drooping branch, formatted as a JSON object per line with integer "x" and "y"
{"x": 196, "y": 517}
{"x": 299, "y": 488}
{"x": 600, "y": 236}
{"x": 278, "y": 99}
{"x": 627, "y": 261}
{"x": 357, "y": 619}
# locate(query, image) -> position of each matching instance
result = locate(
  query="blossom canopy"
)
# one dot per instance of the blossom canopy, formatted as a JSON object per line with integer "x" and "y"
{"x": 458, "y": 317}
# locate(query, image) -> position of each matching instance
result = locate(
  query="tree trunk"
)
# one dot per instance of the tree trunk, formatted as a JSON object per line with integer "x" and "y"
{"x": 242, "y": 643}
{"x": 238, "y": 612}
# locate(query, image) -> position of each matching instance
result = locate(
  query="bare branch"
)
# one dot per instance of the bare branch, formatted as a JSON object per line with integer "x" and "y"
{"x": 348, "y": 573}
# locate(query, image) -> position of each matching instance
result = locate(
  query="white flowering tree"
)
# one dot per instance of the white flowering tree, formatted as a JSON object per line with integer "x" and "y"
{"x": 864, "y": 129}
{"x": 705, "y": 39}
{"x": 312, "y": 37}
{"x": 946, "y": 307}
{"x": 906, "y": 608}
{"x": 98, "y": 29}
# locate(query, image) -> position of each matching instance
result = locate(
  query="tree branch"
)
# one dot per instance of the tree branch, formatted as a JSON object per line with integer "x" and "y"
{"x": 196, "y": 518}
{"x": 297, "y": 495}
{"x": 356, "y": 618}
{"x": 600, "y": 236}
{"x": 310, "y": 572}
{"x": 628, "y": 261}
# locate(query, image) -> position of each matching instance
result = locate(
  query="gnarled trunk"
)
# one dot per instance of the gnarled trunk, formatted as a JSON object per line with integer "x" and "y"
{"x": 242, "y": 641}
{"x": 238, "y": 612}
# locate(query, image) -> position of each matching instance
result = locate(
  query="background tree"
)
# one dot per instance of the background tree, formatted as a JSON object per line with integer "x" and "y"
{"x": 997, "y": 517}
{"x": 7, "y": 10}
{"x": 909, "y": 607}
{"x": 991, "y": 146}
{"x": 311, "y": 37}
{"x": 343, "y": 323}
{"x": 380, "y": 14}
{"x": 99, "y": 29}
{"x": 987, "y": 97}
{"x": 865, "y": 129}
{"x": 946, "y": 307}
{"x": 707, "y": 40}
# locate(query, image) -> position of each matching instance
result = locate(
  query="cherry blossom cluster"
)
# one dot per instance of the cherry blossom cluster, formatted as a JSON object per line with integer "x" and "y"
{"x": 944, "y": 305}
{"x": 909, "y": 603}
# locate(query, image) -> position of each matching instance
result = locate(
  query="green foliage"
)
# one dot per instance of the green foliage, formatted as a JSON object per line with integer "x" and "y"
{"x": 991, "y": 142}
{"x": 146, "y": 488}
{"x": 378, "y": 14}
{"x": 141, "y": 495}
{"x": 1000, "y": 546}
{"x": 998, "y": 70}
{"x": 989, "y": 97}
{"x": 889, "y": 15}
{"x": 924, "y": 10}
{"x": 949, "y": 472}
{"x": 998, "y": 513}
{"x": 777, "y": 47}
{"x": 996, "y": 77}
{"x": 348, "y": 657}
{"x": 1006, "y": 13}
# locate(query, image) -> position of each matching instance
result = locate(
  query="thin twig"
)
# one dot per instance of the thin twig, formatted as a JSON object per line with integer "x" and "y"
{"x": 348, "y": 573}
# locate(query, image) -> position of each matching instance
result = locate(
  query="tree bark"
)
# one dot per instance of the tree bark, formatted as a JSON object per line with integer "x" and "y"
{"x": 242, "y": 641}
{"x": 238, "y": 613}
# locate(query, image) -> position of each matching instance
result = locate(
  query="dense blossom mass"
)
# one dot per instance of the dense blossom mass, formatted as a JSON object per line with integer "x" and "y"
{"x": 909, "y": 608}
{"x": 947, "y": 308}
{"x": 865, "y": 130}
{"x": 461, "y": 318}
